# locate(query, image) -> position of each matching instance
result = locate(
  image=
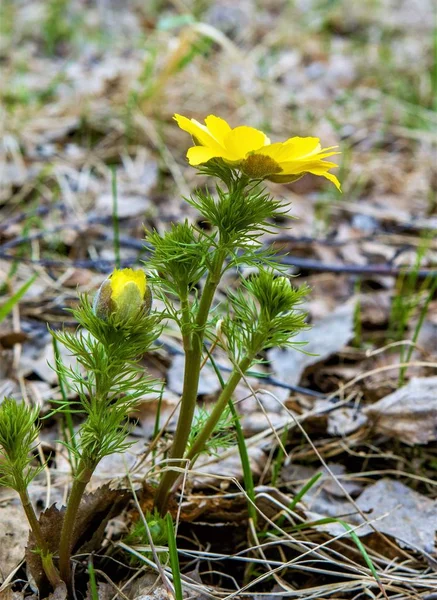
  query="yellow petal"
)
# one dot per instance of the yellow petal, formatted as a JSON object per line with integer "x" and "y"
{"x": 242, "y": 140}
{"x": 198, "y": 131}
{"x": 218, "y": 128}
{"x": 305, "y": 166}
{"x": 327, "y": 175}
{"x": 120, "y": 278}
{"x": 323, "y": 154}
{"x": 301, "y": 147}
{"x": 198, "y": 155}
{"x": 278, "y": 151}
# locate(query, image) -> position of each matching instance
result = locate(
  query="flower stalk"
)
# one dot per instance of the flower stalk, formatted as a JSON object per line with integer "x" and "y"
{"x": 50, "y": 570}
{"x": 193, "y": 358}
{"x": 222, "y": 401}
{"x": 84, "y": 474}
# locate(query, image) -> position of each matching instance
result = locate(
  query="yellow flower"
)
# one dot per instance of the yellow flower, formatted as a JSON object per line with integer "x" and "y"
{"x": 123, "y": 295}
{"x": 216, "y": 139}
{"x": 251, "y": 151}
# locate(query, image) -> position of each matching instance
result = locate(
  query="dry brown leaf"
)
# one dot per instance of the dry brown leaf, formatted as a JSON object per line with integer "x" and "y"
{"x": 411, "y": 518}
{"x": 325, "y": 338}
{"x": 392, "y": 507}
{"x": 9, "y": 594}
{"x": 95, "y": 511}
{"x": 59, "y": 593}
{"x": 409, "y": 413}
{"x": 51, "y": 524}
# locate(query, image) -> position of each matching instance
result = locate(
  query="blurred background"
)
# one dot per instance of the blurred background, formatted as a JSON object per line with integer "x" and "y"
{"x": 89, "y": 84}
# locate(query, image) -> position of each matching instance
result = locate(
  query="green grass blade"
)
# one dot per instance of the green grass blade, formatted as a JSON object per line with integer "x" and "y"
{"x": 279, "y": 460}
{"x": 6, "y": 308}
{"x": 174, "y": 559}
{"x": 355, "y": 538}
{"x": 94, "y": 592}
{"x": 360, "y": 547}
{"x": 417, "y": 329}
{"x": 298, "y": 497}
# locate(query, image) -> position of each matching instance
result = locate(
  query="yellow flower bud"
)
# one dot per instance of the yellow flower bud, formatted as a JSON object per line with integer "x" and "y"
{"x": 123, "y": 295}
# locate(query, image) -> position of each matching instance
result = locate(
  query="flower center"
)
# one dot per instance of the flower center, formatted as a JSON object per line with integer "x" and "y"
{"x": 259, "y": 166}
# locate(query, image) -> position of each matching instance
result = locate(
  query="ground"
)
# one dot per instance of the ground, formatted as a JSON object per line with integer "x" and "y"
{"x": 88, "y": 93}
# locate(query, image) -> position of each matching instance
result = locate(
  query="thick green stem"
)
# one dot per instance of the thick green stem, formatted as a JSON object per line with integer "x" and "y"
{"x": 46, "y": 556}
{"x": 81, "y": 480}
{"x": 208, "y": 428}
{"x": 193, "y": 359}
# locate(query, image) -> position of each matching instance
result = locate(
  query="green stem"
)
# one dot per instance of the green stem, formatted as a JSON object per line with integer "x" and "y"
{"x": 46, "y": 556}
{"x": 81, "y": 480}
{"x": 193, "y": 359}
{"x": 186, "y": 322}
{"x": 218, "y": 409}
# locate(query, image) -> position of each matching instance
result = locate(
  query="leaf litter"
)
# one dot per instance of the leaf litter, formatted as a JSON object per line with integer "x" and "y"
{"x": 357, "y": 74}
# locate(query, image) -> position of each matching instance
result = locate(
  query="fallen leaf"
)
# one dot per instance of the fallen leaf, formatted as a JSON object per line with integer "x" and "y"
{"x": 9, "y": 338}
{"x": 128, "y": 206}
{"x": 325, "y": 338}
{"x": 51, "y": 523}
{"x": 342, "y": 421}
{"x": 39, "y": 358}
{"x": 392, "y": 507}
{"x": 9, "y": 594}
{"x": 409, "y": 413}
{"x": 95, "y": 511}
{"x": 59, "y": 593}
{"x": 411, "y": 518}
{"x": 325, "y": 494}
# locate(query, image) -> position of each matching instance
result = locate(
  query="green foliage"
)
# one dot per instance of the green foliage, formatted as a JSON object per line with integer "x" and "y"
{"x": 223, "y": 435}
{"x": 139, "y": 536}
{"x": 57, "y": 26}
{"x": 18, "y": 434}
{"x": 112, "y": 380}
{"x": 6, "y": 308}
{"x": 117, "y": 329}
{"x": 174, "y": 558}
{"x": 137, "y": 332}
{"x": 240, "y": 214}
{"x": 413, "y": 297}
{"x": 263, "y": 313}
{"x": 180, "y": 256}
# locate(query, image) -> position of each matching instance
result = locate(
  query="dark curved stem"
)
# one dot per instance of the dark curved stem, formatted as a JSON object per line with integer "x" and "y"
{"x": 65, "y": 545}
{"x": 46, "y": 556}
